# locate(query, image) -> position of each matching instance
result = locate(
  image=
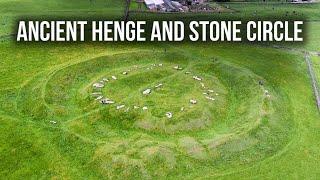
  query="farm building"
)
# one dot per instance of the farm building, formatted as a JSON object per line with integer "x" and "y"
{"x": 164, "y": 5}
{"x": 170, "y": 5}
{"x": 191, "y": 2}
{"x": 153, "y": 4}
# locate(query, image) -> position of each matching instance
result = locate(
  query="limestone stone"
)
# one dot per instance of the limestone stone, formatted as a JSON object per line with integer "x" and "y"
{"x": 96, "y": 94}
{"x": 99, "y": 97}
{"x": 169, "y": 115}
{"x": 193, "y": 101}
{"x": 98, "y": 85}
{"x": 177, "y": 67}
{"x": 210, "y": 98}
{"x": 197, "y": 78}
{"x": 120, "y": 107}
{"x": 146, "y": 92}
{"x": 106, "y": 101}
{"x": 159, "y": 85}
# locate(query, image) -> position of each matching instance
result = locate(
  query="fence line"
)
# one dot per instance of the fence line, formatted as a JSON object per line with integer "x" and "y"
{"x": 314, "y": 82}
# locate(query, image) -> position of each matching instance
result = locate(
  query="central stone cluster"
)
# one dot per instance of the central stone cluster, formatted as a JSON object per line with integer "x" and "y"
{"x": 208, "y": 93}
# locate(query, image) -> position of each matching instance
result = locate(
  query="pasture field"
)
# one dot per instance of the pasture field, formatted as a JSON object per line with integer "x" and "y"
{"x": 274, "y": 9}
{"x": 243, "y": 129}
{"x": 313, "y": 40}
{"x": 13, "y": 10}
{"x": 214, "y": 111}
{"x": 316, "y": 65}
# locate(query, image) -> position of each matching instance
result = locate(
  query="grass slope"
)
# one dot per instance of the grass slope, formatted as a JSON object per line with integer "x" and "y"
{"x": 316, "y": 65}
{"x": 244, "y": 130}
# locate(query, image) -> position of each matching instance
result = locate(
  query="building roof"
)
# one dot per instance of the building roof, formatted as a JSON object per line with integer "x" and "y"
{"x": 155, "y": 2}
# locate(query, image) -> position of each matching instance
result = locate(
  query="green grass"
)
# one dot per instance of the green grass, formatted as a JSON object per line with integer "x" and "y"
{"x": 313, "y": 41}
{"x": 316, "y": 65}
{"x": 274, "y": 9}
{"x": 240, "y": 131}
{"x": 11, "y": 11}
{"x": 243, "y": 134}
{"x": 41, "y": 6}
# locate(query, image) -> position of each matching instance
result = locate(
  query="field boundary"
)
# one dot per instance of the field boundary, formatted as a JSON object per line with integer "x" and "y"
{"x": 314, "y": 82}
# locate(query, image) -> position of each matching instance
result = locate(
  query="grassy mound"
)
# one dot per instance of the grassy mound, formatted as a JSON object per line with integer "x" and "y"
{"x": 246, "y": 124}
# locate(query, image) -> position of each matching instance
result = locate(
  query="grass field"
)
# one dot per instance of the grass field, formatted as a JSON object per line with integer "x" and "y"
{"x": 316, "y": 64}
{"x": 274, "y": 9}
{"x": 53, "y": 127}
{"x": 313, "y": 37}
{"x": 13, "y": 10}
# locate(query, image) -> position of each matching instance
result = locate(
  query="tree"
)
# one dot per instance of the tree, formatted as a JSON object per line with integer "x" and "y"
{"x": 126, "y": 13}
